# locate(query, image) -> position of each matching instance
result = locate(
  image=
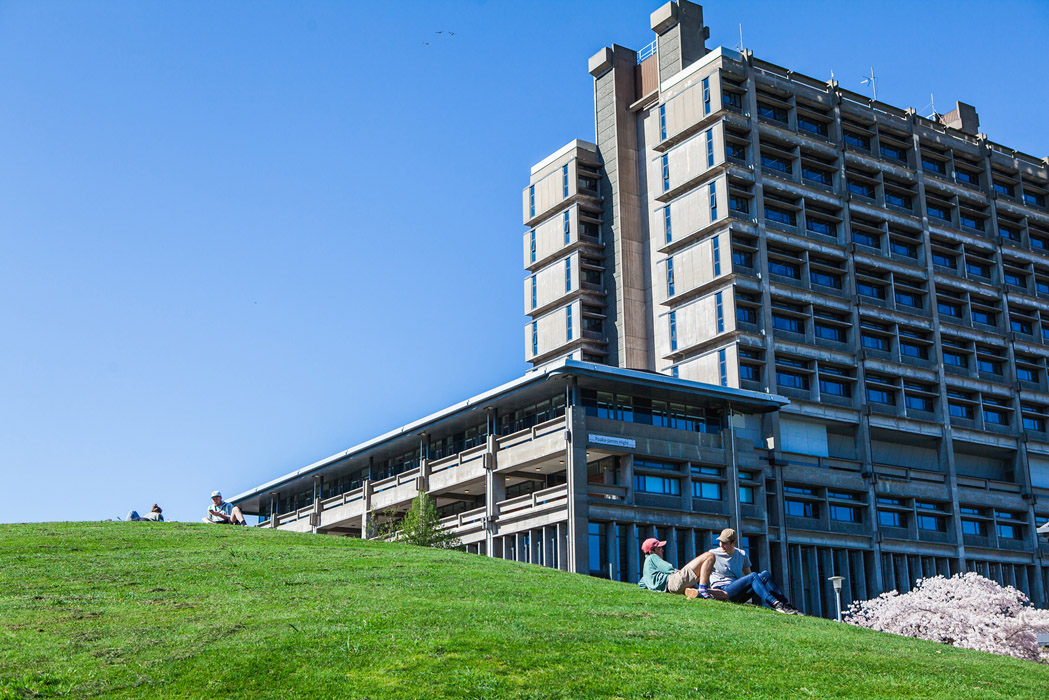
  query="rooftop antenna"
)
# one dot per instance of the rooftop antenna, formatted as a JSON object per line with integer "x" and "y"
{"x": 873, "y": 82}
{"x": 739, "y": 47}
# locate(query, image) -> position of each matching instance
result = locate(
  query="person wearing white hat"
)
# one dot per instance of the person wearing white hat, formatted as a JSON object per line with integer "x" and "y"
{"x": 222, "y": 513}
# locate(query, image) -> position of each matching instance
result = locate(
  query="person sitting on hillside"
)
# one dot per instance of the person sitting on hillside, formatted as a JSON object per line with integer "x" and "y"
{"x": 222, "y": 513}
{"x": 154, "y": 515}
{"x": 726, "y": 569}
{"x": 659, "y": 575}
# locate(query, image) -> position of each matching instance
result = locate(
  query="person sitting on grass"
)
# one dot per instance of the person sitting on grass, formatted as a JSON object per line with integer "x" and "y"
{"x": 726, "y": 569}
{"x": 154, "y": 515}
{"x": 222, "y": 513}
{"x": 659, "y": 575}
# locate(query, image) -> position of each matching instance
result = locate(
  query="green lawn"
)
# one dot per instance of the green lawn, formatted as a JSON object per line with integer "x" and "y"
{"x": 130, "y": 610}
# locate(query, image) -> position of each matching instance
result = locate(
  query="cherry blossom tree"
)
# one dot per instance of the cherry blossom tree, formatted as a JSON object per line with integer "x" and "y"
{"x": 966, "y": 610}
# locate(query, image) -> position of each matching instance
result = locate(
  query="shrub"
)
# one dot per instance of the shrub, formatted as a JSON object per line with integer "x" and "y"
{"x": 421, "y": 526}
{"x": 966, "y": 610}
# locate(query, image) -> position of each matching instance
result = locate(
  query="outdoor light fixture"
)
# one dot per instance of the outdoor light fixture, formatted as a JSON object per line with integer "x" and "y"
{"x": 836, "y": 580}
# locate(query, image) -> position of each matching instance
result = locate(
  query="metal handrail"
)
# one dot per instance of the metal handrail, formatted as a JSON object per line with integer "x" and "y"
{"x": 647, "y": 52}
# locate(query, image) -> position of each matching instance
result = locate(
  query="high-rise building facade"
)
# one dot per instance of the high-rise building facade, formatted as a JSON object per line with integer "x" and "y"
{"x": 739, "y": 224}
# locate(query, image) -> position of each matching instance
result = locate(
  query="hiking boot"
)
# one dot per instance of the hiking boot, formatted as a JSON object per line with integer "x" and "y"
{"x": 785, "y": 608}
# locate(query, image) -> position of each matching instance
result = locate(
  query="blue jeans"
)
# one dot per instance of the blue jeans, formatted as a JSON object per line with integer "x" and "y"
{"x": 761, "y": 585}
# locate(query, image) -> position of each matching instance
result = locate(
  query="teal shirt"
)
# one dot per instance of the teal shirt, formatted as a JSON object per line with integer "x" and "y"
{"x": 657, "y": 570}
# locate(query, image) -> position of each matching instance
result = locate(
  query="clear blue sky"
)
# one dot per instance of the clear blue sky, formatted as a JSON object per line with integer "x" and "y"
{"x": 238, "y": 237}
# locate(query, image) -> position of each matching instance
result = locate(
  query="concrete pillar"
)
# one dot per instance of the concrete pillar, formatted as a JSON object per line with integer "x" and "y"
{"x": 424, "y": 462}
{"x": 686, "y": 489}
{"x": 632, "y": 544}
{"x": 728, "y": 442}
{"x": 562, "y": 546}
{"x": 610, "y": 547}
{"x": 671, "y": 549}
{"x": 578, "y": 504}
{"x": 627, "y": 464}
{"x": 368, "y": 527}
{"x": 690, "y": 544}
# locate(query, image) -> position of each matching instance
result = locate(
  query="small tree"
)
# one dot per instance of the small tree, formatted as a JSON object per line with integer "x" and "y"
{"x": 966, "y": 610}
{"x": 421, "y": 526}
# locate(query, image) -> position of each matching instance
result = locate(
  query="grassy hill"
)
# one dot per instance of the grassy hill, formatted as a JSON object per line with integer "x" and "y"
{"x": 130, "y": 610}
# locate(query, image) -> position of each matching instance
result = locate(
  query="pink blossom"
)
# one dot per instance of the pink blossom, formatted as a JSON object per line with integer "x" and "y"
{"x": 966, "y": 610}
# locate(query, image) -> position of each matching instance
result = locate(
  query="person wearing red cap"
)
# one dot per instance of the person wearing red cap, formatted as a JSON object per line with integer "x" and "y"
{"x": 659, "y": 575}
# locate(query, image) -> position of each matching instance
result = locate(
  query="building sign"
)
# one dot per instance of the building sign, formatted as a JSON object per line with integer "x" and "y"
{"x": 613, "y": 441}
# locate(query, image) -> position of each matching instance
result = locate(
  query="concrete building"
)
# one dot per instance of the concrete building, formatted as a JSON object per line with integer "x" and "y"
{"x": 737, "y": 234}
{"x": 740, "y": 224}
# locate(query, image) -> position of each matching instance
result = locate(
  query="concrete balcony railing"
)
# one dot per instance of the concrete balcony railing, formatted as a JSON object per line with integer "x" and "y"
{"x": 467, "y": 522}
{"x": 988, "y": 484}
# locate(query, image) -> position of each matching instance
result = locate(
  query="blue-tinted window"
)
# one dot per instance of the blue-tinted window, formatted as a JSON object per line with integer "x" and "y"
{"x": 1035, "y": 199}
{"x": 706, "y": 490}
{"x": 844, "y": 514}
{"x": 535, "y": 338}
{"x": 971, "y": 222}
{"x": 673, "y": 330}
{"x": 666, "y": 223}
{"x": 719, "y": 313}
{"x": 866, "y": 239}
{"x": 966, "y": 176}
{"x": 710, "y": 146}
{"x": 931, "y": 523}
{"x": 918, "y": 403}
{"x": 904, "y": 249}
{"x": 568, "y": 323}
{"x": 666, "y": 172}
{"x": 893, "y": 153}
{"x": 825, "y": 279}
{"x": 1034, "y": 423}
{"x": 662, "y": 122}
{"x": 800, "y": 509}
{"x": 785, "y": 269}
{"x": 1008, "y": 532}
{"x": 657, "y": 484}
{"x": 716, "y": 254}
{"x": 1020, "y": 326}
{"x": 788, "y": 323}
{"x": 732, "y": 99}
{"x": 960, "y": 410}
{"x": 670, "y": 277}
{"x": 568, "y": 274}
{"x": 868, "y": 289}
{"x": 531, "y": 246}
{"x": 833, "y": 387}
{"x": 833, "y": 333}
{"x": 792, "y": 380}
{"x": 566, "y": 224}
{"x": 812, "y": 126}
{"x": 706, "y": 96}
{"x": 890, "y": 518}
{"x": 862, "y": 189}
{"x": 875, "y": 342}
{"x": 746, "y": 494}
{"x": 857, "y": 140}
{"x": 772, "y": 112}
{"x": 775, "y": 163}
{"x": 882, "y": 396}
{"x": 722, "y": 364}
{"x": 814, "y": 175}
{"x": 984, "y": 317}
{"x": 1002, "y": 188}
{"x": 781, "y": 216}
{"x": 938, "y": 212}
{"x": 713, "y": 201}
{"x": 897, "y": 200}
{"x": 907, "y": 299}
{"x": 564, "y": 180}
{"x": 942, "y": 259}
{"x": 531, "y": 200}
{"x": 534, "y": 295}
{"x": 974, "y": 527}
{"x": 947, "y": 309}
{"x": 955, "y": 359}
{"x": 827, "y": 228}
{"x": 934, "y": 165}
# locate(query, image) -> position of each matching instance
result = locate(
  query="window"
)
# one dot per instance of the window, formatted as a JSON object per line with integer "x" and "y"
{"x": 814, "y": 175}
{"x": 931, "y": 523}
{"x": 834, "y": 387}
{"x": 978, "y": 269}
{"x": 938, "y": 212}
{"x": 942, "y": 259}
{"x": 710, "y": 145}
{"x": 827, "y": 228}
{"x": 746, "y": 494}
{"x": 1034, "y": 423}
{"x": 788, "y": 323}
{"x": 785, "y": 269}
{"x": 706, "y": 95}
{"x": 966, "y": 176}
{"x": 1002, "y": 188}
{"x": 738, "y": 204}
{"x": 984, "y": 317}
{"x": 1025, "y": 375}
{"x": 874, "y": 342}
{"x": 1008, "y": 532}
{"x": 722, "y": 367}
{"x": 862, "y": 189}
{"x": 665, "y": 160}
{"x": 534, "y": 292}
{"x": 974, "y": 527}
{"x": 535, "y": 338}
{"x": 908, "y": 349}
{"x": 934, "y": 165}
{"x": 1007, "y": 233}
{"x": 673, "y": 330}
{"x": 971, "y": 222}
{"x": 869, "y": 289}
{"x": 706, "y": 490}
{"x": 772, "y": 112}
{"x": 908, "y": 299}
{"x": 919, "y": 403}
{"x": 904, "y": 249}
{"x": 1034, "y": 199}
{"x": 568, "y": 323}
{"x": 713, "y": 201}
{"x": 715, "y": 245}
{"x": 857, "y": 140}
{"x": 825, "y": 279}
{"x": 960, "y": 410}
{"x": 812, "y": 126}
{"x": 531, "y": 201}
{"x": 566, "y": 225}
{"x": 897, "y": 200}
{"x": 886, "y": 500}
{"x": 890, "y": 518}
{"x": 662, "y": 122}
{"x": 1020, "y": 326}
{"x": 780, "y": 216}
{"x": 995, "y": 416}
{"x": 564, "y": 180}
{"x": 866, "y": 239}
{"x": 792, "y": 380}
{"x": 666, "y": 223}
{"x": 834, "y": 333}
{"x": 800, "y": 509}
{"x": 734, "y": 150}
{"x": 657, "y": 484}
{"x": 719, "y": 313}
{"x": 893, "y": 152}
{"x": 742, "y": 258}
{"x": 750, "y": 373}
{"x": 953, "y": 358}
{"x": 1013, "y": 279}
{"x": 882, "y": 396}
{"x": 732, "y": 99}
{"x": 774, "y": 163}
{"x": 568, "y": 274}
{"x": 844, "y": 514}
{"x": 746, "y": 314}
{"x": 531, "y": 246}
{"x": 948, "y": 309}
{"x": 670, "y": 277}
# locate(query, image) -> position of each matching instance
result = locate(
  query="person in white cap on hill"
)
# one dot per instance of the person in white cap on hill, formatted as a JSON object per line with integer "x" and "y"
{"x": 659, "y": 575}
{"x": 222, "y": 513}
{"x": 726, "y": 569}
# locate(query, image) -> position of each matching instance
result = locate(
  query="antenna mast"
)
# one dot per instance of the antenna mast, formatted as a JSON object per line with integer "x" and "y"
{"x": 873, "y": 82}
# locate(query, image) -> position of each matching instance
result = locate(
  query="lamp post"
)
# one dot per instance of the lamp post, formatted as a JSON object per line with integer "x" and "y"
{"x": 836, "y": 580}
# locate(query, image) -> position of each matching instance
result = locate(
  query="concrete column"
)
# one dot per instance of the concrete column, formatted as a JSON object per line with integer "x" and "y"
{"x": 686, "y": 489}
{"x": 728, "y": 434}
{"x": 273, "y": 510}
{"x": 424, "y": 462}
{"x": 612, "y": 549}
{"x": 690, "y": 544}
{"x": 671, "y": 549}
{"x": 633, "y": 567}
{"x": 562, "y": 547}
{"x": 627, "y": 464}
{"x": 494, "y": 493}
{"x": 578, "y": 504}
{"x": 368, "y": 528}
